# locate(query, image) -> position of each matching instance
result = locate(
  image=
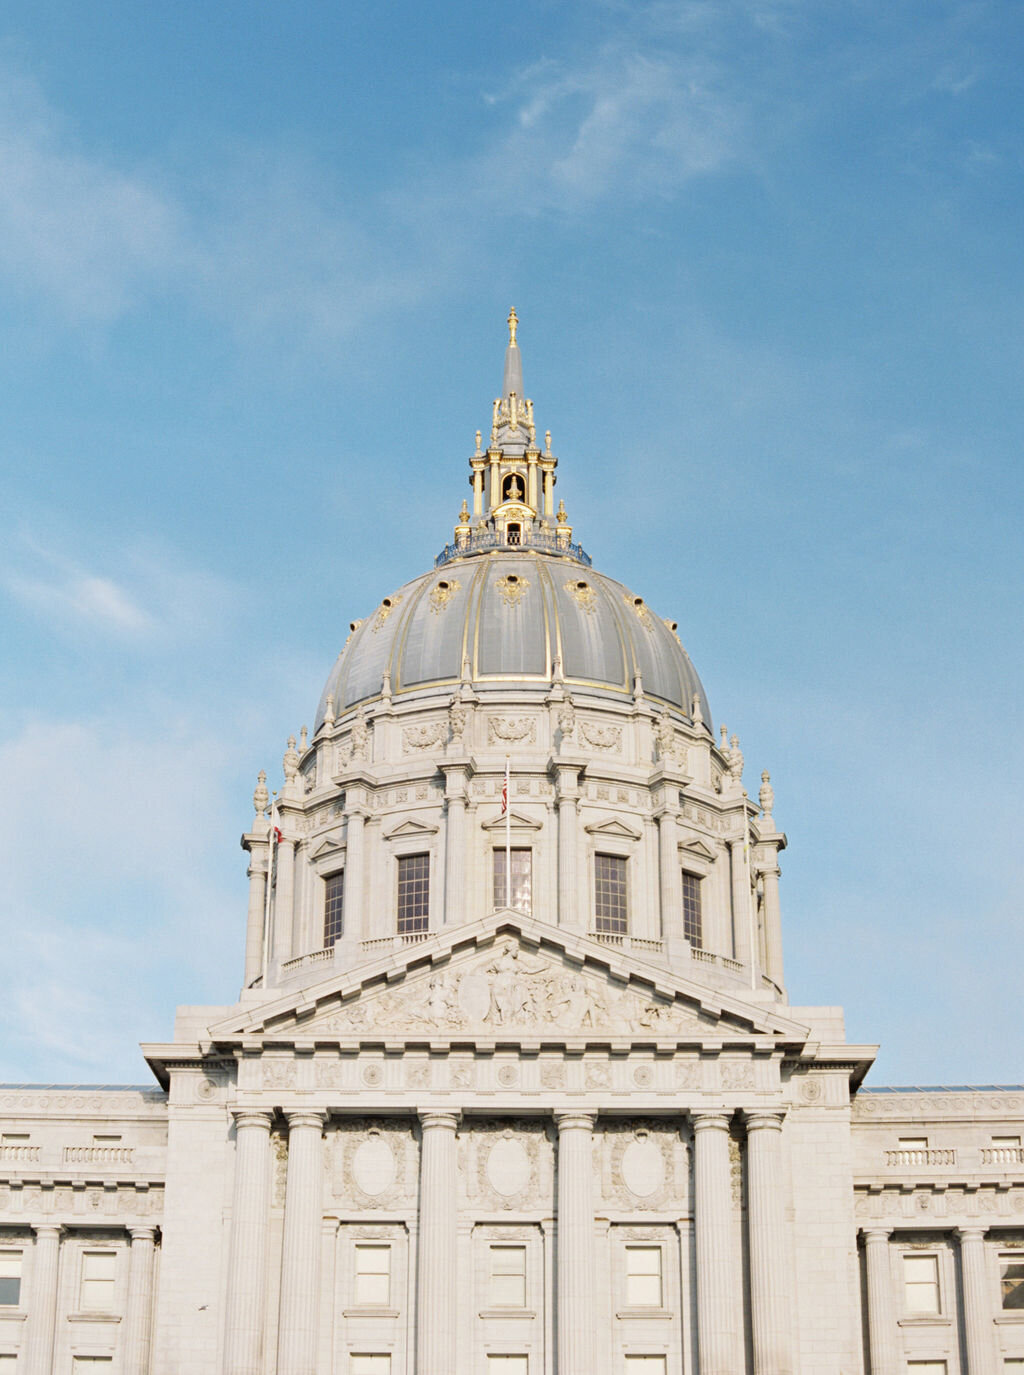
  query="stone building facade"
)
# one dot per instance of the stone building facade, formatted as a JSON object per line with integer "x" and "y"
{"x": 512, "y": 1086}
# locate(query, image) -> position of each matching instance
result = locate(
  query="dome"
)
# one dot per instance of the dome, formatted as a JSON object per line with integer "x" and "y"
{"x": 523, "y": 618}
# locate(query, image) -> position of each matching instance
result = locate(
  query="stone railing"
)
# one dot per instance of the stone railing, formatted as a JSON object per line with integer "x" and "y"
{"x": 921, "y": 1156}
{"x": 1002, "y": 1155}
{"x": 19, "y": 1155}
{"x": 98, "y": 1155}
{"x": 303, "y": 961}
{"x": 621, "y": 942}
{"x": 380, "y": 944}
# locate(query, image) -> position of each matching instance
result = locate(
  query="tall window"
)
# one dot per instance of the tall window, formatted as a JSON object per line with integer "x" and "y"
{"x": 413, "y": 893}
{"x": 693, "y": 920}
{"x": 508, "y": 1277}
{"x": 522, "y": 881}
{"x": 10, "y": 1278}
{"x": 643, "y": 1276}
{"x": 98, "y": 1271}
{"x": 373, "y": 1276}
{"x": 610, "y": 894}
{"x": 1011, "y": 1275}
{"x": 921, "y": 1284}
{"x": 334, "y": 907}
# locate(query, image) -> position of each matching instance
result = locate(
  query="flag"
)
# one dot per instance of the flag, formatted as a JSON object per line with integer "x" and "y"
{"x": 504, "y": 789}
{"x": 277, "y": 835}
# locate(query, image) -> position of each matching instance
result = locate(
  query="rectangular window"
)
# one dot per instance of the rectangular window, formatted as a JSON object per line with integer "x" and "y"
{"x": 643, "y": 1276}
{"x": 370, "y": 1364}
{"x": 610, "y": 895}
{"x": 373, "y": 1276}
{"x": 1011, "y": 1142}
{"x": 413, "y": 893}
{"x": 912, "y": 1143}
{"x": 508, "y": 1277}
{"x": 105, "y": 1140}
{"x": 508, "y": 1365}
{"x": 8, "y": 1364}
{"x": 1011, "y": 1275}
{"x": 645, "y": 1365}
{"x": 10, "y": 1278}
{"x": 15, "y": 1138}
{"x": 693, "y": 920}
{"x": 921, "y": 1284}
{"x": 91, "y": 1365}
{"x": 522, "y": 881}
{"x": 927, "y": 1367}
{"x": 98, "y": 1271}
{"x": 334, "y": 907}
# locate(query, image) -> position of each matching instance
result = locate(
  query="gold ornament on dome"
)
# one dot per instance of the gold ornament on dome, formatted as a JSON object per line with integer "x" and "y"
{"x": 384, "y": 611}
{"x": 640, "y": 608}
{"x": 512, "y": 588}
{"x": 442, "y": 593}
{"x": 582, "y": 594}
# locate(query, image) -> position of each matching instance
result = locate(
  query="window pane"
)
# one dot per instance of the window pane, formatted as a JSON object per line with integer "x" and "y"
{"x": 693, "y": 921}
{"x": 522, "y": 880}
{"x": 1012, "y": 1274}
{"x": 373, "y": 1276}
{"x": 643, "y": 1276}
{"x": 610, "y": 894}
{"x": 334, "y": 907}
{"x": 10, "y": 1277}
{"x": 508, "y": 1276}
{"x": 921, "y": 1283}
{"x": 413, "y": 893}
{"x": 98, "y": 1271}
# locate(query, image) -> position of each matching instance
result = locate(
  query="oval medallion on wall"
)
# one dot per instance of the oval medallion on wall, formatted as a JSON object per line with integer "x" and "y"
{"x": 373, "y": 1166}
{"x": 643, "y": 1169}
{"x": 508, "y": 1168}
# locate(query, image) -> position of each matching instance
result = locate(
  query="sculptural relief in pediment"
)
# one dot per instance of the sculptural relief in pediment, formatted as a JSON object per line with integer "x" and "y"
{"x": 511, "y": 989}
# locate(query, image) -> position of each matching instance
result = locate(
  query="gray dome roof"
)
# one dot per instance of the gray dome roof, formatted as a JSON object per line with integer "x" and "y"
{"x": 510, "y": 616}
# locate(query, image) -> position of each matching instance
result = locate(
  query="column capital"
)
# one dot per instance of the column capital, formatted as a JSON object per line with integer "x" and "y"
{"x": 710, "y": 1120}
{"x": 305, "y": 1117}
{"x": 252, "y": 1117}
{"x": 49, "y": 1230}
{"x": 142, "y": 1233}
{"x": 432, "y": 1118}
{"x": 874, "y": 1236}
{"x": 970, "y": 1233}
{"x": 575, "y": 1121}
{"x": 758, "y": 1119}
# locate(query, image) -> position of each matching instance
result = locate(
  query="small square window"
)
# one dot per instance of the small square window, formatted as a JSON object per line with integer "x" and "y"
{"x": 610, "y": 913}
{"x": 913, "y": 1143}
{"x": 105, "y": 1140}
{"x": 334, "y": 907}
{"x": 10, "y": 1278}
{"x": 921, "y": 1284}
{"x": 15, "y": 1138}
{"x": 1011, "y": 1275}
{"x": 522, "y": 881}
{"x": 373, "y": 1276}
{"x": 413, "y": 893}
{"x": 643, "y": 1276}
{"x": 98, "y": 1271}
{"x": 508, "y": 1277}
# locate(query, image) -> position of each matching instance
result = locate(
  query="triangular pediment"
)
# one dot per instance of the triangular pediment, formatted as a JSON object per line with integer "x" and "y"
{"x": 613, "y": 828}
{"x": 511, "y": 978}
{"x": 330, "y": 845}
{"x": 517, "y": 821}
{"x": 410, "y": 828}
{"x": 697, "y": 848}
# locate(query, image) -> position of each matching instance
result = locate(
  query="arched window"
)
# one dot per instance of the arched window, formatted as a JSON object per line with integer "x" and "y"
{"x": 514, "y": 532}
{"x": 512, "y": 488}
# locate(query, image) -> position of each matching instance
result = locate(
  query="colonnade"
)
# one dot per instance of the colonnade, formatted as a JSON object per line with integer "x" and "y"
{"x": 720, "y": 1300}
{"x": 42, "y": 1319}
{"x": 977, "y": 1303}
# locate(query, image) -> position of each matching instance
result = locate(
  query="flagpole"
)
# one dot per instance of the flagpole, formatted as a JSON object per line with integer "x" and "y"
{"x": 508, "y": 834}
{"x": 271, "y": 851}
{"x": 751, "y": 928}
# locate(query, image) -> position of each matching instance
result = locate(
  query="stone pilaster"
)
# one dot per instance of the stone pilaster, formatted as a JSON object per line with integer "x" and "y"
{"x": 979, "y": 1338}
{"x": 719, "y": 1305}
{"x": 257, "y": 912}
{"x": 882, "y": 1346}
{"x": 244, "y": 1300}
{"x": 355, "y": 851}
{"x": 575, "y": 1243}
{"x": 772, "y": 924}
{"x": 568, "y": 818}
{"x": 770, "y": 1319}
{"x": 455, "y": 847}
{"x": 438, "y": 1242}
{"x": 741, "y": 900}
{"x": 284, "y": 900}
{"x": 42, "y": 1322}
{"x": 138, "y": 1325}
{"x": 671, "y": 878}
{"x": 300, "y": 1260}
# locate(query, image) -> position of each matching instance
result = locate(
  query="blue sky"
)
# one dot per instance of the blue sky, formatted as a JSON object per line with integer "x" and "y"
{"x": 255, "y": 263}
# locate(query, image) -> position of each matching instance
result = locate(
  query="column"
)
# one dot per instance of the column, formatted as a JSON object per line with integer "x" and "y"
{"x": 455, "y": 849}
{"x": 42, "y": 1321}
{"x": 741, "y": 904}
{"x": 568, "y": 882}
{"x": 531, "y": 480}
{"x": 719, "y": 1304}
{"x": 575, "y": 1242}
{"x": 438, "y": 1239}
{"x": 881, "y": 1317}
{"x": 671, "y": 884}
{"x": 549, "y": 492}
{"x": 300, "y": 1260}
{"x": 257, "y": 912}
{"x": 495, "y": 487}
{"x": 243, "y": 1333}
{"x": 138, "y": 1323}
{"x": 772, "y": 924}
{"x": 770, "y": 1318}
{"x": 355, "y": 848}
{"x": 284, "y": 900}
{"x": 478, "y": 491}
{"x": 978, "y": 1330}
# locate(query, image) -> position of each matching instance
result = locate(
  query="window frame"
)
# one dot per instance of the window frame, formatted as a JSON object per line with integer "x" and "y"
{"x": 15, "y": 1253}
{"x": 326, "y": 879}
{"x": 401, "y": 860}
{"x": 499, "y": 850}
{"x": 698, "y": 879}
{"x": 617, "y": 859}
{"x": 357, "y": 1274}
{"x": 1005, "y": 1260}
{"x": 631, "y": 1248}
{"x": 86, "y": 1254}
{"x": 908, "y": 1285}
{"x": 493, "y": 1301}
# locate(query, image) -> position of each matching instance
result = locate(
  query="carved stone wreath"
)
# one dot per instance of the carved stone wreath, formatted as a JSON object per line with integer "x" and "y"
{"x": 640, "y": 1164}
{"x": 512, "y": 730}
{"x": 601, "y": 737}
{"x": 374, "y": 1163}
{"x": 502, "y": 1163}
{"x": 424, "y": 737}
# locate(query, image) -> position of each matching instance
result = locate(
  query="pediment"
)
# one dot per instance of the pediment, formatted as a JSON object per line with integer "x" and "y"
{"x": 330, "y": 845}
{"x": 410, "y": 828}
{"x": 613, "y": 827}
{"x": 516, "y": 820}
{"x": 698, "y": 848}
{"x": 510, "y": 978}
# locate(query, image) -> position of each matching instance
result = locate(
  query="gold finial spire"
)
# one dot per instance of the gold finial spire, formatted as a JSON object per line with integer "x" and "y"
{"x": 513, "y": 322}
